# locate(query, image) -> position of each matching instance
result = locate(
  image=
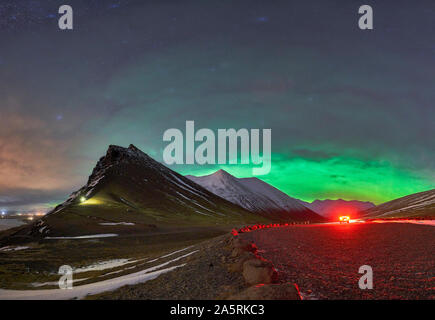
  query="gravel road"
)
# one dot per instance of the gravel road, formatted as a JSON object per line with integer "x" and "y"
{"x": 324, "y": 259}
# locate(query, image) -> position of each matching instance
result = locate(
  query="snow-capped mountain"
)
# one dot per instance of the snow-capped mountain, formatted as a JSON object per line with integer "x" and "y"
{"x": 333, "y": 208}
{"x": 420, "y": 204}
{"x": 255, "y": 195}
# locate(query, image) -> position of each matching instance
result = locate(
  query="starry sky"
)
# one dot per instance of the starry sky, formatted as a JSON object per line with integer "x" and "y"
{"x": 352, "y": 112}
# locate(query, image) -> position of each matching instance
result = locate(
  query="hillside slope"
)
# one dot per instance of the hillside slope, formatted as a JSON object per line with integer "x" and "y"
{"x": 257, "y": 196}
{"x": 332, "y": 209}
{"x": 417, "y": 205}
{"x": 128, "y": 192}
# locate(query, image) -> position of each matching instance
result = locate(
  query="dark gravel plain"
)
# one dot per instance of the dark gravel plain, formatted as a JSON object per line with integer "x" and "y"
{"x": 324, "y": 259}
{"x": 204, "y": 276}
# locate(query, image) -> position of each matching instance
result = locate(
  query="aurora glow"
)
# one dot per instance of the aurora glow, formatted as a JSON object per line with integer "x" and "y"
{"x": 352, "y": 113}
{"x": 335, "y": 178}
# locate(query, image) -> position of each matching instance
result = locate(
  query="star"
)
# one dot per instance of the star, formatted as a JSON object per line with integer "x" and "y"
{"x": 262, "y": 19}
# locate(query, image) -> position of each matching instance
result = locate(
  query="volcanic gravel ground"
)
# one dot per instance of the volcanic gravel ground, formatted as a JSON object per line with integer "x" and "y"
{"x": 323, "y": 260}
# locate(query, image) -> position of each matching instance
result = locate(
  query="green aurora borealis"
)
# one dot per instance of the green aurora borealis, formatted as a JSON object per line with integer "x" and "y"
{"x": 334, "y": 178}
{"x": 352, "y": 112}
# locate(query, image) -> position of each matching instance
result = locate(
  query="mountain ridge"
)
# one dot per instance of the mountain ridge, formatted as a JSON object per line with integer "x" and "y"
{"x": 128, "y": 192}
{"x": 333, "y": 208}
{"x": 416, "y": 205}
{"x": 255, "y": 195}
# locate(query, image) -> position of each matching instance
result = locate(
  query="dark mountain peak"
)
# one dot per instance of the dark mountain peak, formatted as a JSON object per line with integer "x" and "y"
{"x": 116, "y": 157}
{"x": 117, "y": 153}
{"x": 128, "y": 184}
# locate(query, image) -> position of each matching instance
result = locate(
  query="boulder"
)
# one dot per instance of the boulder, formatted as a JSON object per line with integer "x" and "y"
{"x": 240, "y": 246}
{"x": 237, "y": 266}
{"x": 259, "y": 271}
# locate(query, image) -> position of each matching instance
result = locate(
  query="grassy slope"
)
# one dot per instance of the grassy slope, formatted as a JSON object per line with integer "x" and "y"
{"x": 405, "y": 207}
{"x": 151, "y": 196}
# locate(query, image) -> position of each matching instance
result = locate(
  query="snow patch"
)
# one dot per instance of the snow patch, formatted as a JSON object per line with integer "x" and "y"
{"x": 89, "y": 193}
{"x": 11, "y": 248}
{"x": 188, "y": 188}
{"x": 126, "y": 202}
{"x": 93, "y": 236}
{"x": 117, "y": 224}
{"x": 170, "y": 254}
{"x": 103, "y": 265}
{"x": 53, "y": 283}
{"x": 92, "y": 288}
{"x": 95, "y": 182}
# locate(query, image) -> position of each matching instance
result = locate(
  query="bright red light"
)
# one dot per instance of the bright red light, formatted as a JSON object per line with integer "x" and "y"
{"x": 344, "y": 219}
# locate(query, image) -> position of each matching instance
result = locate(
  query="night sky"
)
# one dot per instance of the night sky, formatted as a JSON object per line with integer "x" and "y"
{"x": 352, "y": 112}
